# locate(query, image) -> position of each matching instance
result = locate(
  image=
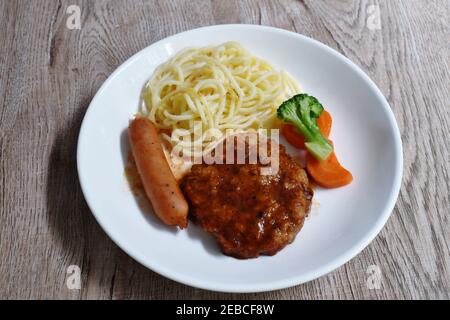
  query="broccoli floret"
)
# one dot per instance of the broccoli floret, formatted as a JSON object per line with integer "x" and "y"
{"x": 302, "y": 111}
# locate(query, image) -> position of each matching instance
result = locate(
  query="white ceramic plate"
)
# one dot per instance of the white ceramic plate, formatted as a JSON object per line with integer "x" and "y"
{"x": 366, "y": 138}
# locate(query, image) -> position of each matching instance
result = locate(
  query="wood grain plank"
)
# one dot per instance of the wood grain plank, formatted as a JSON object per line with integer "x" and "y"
{"x": 49, "y": 74}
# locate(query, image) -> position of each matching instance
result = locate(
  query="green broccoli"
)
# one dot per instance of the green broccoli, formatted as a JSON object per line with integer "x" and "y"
{"x": 302, "y": 111}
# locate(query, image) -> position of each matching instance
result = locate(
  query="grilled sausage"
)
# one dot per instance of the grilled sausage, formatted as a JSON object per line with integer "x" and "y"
{"x": 159, "y": 183}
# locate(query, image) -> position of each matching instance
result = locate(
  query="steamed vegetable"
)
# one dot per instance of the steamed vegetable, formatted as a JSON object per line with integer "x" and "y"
{"x": 302, "y": 111}
{"x": 328, "y": 173}
{"x": 324, "y": 123}
{"x": 295, "y": 138}
{"x": 292, "y": 136}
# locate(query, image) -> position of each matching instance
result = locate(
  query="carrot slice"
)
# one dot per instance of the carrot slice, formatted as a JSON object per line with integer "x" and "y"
{"x": 294, "y": 137}
{"x": 328, "y": 173}
{"x": 324, "y": 123}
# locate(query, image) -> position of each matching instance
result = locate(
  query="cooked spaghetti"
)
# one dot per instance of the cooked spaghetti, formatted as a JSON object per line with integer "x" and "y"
{"x": 222, "y": 87}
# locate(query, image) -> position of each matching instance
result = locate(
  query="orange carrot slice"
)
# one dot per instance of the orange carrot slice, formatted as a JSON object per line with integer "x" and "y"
{"x": 324, "y": 123}
{"x": 294, "y": 138}
{"x": 328, "y": 173}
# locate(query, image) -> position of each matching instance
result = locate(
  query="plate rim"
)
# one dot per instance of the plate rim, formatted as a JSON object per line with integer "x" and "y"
{"x": 277, "y": 284}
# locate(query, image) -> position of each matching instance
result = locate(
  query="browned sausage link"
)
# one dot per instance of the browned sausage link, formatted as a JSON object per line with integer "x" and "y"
{"x": 159, "y": 183}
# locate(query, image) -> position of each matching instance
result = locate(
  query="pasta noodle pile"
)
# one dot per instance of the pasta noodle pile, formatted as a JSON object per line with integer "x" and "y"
{"x": 221, "y": 87}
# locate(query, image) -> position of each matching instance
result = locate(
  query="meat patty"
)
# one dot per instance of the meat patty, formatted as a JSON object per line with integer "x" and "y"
{"x": 249, "y": 214}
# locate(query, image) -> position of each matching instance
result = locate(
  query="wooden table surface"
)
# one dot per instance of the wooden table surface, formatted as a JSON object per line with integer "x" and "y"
{"x": 49, "y": 74}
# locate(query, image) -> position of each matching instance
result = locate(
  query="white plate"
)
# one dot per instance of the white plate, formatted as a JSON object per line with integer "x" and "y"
{"x": 366, "y": 138}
